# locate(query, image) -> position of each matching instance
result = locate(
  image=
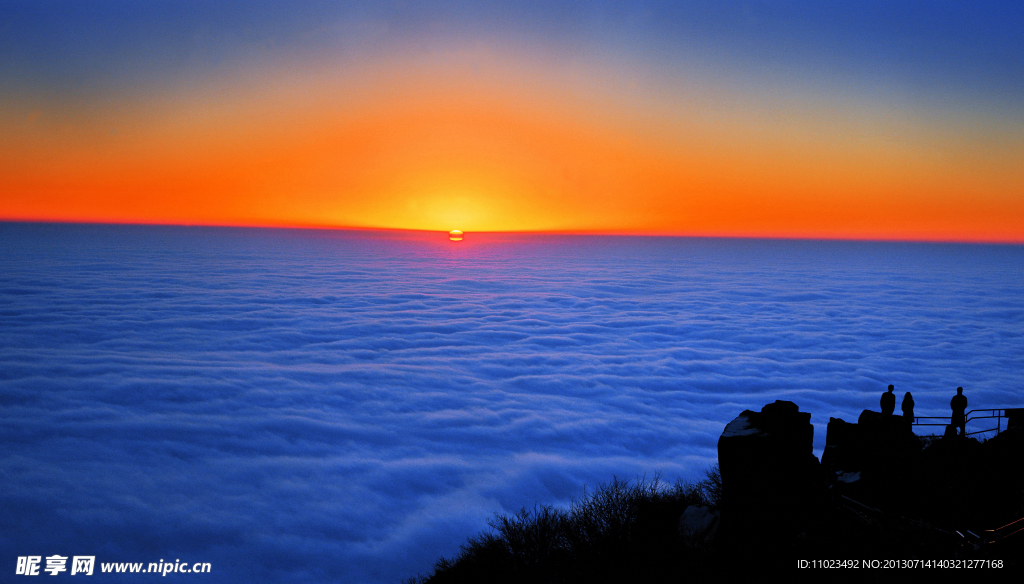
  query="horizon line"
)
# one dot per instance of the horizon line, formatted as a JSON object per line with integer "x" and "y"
{"x": 576, "y": 232}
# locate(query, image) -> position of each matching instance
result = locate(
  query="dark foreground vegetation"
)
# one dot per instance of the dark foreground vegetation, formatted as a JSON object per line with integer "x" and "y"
{"x": 882, "y": 505}
{"x": 622, "y": 532}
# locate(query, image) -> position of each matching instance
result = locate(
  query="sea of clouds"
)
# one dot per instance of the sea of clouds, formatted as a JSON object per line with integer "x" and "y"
{"x": 326, "y": 406}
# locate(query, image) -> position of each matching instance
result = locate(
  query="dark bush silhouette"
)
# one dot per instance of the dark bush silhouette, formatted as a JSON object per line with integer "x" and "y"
{"x": 621, "y": 532}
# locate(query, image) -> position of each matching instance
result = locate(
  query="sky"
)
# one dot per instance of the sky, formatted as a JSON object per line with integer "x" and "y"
{"x": 870, "y": 120}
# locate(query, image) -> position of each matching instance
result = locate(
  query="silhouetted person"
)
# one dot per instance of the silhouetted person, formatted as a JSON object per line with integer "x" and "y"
{"x": 888, "y": 402}
{"x": 950, "y": 432}
{"x": 959, "y": 406}
{"x": 908, "y": 409}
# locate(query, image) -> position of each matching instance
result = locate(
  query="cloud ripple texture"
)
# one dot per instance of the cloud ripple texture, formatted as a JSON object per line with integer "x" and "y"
{"x": 343, "y": 406}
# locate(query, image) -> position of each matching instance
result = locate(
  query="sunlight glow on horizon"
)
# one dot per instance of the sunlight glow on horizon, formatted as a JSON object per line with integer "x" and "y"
{"x": 495, "y": 140}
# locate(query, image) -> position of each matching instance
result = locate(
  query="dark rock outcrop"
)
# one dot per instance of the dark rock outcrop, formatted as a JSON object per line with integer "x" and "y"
{"x": 699, "y": 523}
{"x": 842, "y": 446}
{"x": 1014, "y": 418}
{"x": 880, "y": 448}
{"x": 769, "y": 472}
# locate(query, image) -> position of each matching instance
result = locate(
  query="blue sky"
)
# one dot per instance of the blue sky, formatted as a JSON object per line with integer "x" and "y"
{"x": 950, "y": 47}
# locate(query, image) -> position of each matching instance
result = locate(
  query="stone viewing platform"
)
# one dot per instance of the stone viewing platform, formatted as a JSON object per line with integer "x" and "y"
{"x": 879, "y": 487}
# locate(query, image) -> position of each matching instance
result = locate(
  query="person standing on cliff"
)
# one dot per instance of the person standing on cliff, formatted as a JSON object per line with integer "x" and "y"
{"x": 888, "y": 402}
{"x": 908, "y": 410}
{"x": 959, "y": 406}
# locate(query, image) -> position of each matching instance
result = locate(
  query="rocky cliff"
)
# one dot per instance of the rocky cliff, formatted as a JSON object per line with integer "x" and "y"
{"x": 879, "y": 488}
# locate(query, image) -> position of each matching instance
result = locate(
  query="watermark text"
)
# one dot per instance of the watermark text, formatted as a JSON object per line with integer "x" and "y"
{"x": 85, "y": 565}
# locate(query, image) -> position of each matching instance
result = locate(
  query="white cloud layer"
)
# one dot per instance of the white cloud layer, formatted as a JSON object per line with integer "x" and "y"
{"x": 298, "y": 406}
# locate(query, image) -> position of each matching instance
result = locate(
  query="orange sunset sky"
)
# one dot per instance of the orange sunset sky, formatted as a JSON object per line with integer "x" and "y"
{"x": 618, "y": 128}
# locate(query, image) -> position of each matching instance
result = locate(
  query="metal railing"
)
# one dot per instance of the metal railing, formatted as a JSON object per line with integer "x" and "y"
{"x": 997, "y": 413}
{"x": 1011, "y": 528}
